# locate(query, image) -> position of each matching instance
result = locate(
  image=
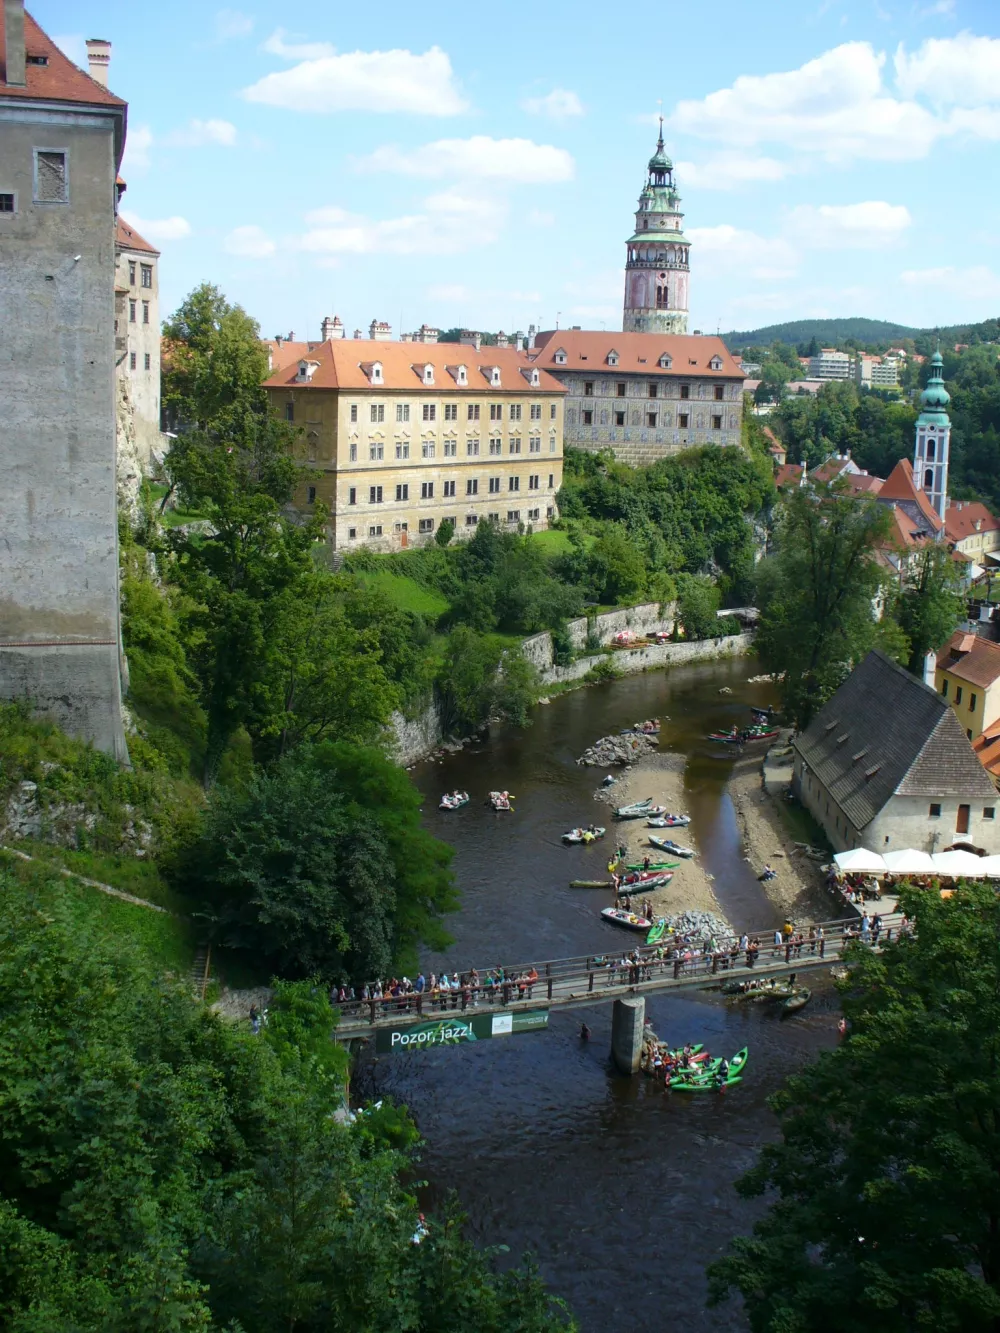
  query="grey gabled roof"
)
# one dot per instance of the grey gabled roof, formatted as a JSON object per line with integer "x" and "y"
{"x": 885, "y": 733}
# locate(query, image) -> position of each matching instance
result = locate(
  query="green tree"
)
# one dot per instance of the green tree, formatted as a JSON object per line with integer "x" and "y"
{"x": 885, "y": 1211}
{"x": 617, "y": 572}
{"x": 214, "y": 365}
{"x": 698, "y": 599}
{"x": 483, "y": 679}
{"x": 445, "y": 532}
{"x": 816, "y": 594}
{"x": 929, "y": 605}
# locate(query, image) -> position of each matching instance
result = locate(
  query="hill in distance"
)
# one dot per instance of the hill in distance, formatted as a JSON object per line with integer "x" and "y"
{"x": 828, "y": 331}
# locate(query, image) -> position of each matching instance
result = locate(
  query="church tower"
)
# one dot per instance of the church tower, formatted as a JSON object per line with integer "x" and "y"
{"x": 657, "y": 270}
{"x": 930, "y": 454}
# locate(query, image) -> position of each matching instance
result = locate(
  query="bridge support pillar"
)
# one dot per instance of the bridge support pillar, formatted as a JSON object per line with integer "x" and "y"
{"x": 628, "y": 1021}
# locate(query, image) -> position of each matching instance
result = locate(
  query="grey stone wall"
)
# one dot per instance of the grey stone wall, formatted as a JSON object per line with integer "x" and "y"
{"x": 630, "y": 661}
{"x": 416, "y": 737}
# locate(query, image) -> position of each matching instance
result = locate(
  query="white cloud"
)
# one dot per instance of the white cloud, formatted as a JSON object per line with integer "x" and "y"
{"x": 74, "y": 45}
{"x": 159, "y": 229}
{"x": 448, "y": 223}
{"x": 386, "y": 81}
{"x": 202, "y": 133}
{"x": 230, "y": 24}
{"x": 723, "y": 249}
{"x": 559, "y": 104}
{"x": 728, "y": 171}
{"x": 480, "y": 157}
{"x": 958, "y": 71}
{"x": 138, "y": 142}
{"x": 449, "y": 293}
{"x": 872, "y": 225}
{"x": 979, "y": 284}
{"x": 250, "y": 242}
{"x": 276, "y": 45}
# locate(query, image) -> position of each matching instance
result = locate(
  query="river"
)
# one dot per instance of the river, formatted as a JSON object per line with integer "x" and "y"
{"x": 622, "y": 1192}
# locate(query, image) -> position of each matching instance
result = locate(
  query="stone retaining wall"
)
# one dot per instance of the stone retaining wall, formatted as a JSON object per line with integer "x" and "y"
{"x": 630, "y": 661}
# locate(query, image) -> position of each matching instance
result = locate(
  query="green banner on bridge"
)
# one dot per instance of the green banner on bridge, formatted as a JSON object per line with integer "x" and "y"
{"x": 458, "y": 1029}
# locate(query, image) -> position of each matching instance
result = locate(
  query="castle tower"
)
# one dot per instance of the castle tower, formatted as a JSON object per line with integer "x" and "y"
{"x": 930, "y": 454}
{"x": 657, "y": 270}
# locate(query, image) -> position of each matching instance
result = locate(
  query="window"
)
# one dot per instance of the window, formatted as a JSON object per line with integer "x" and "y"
{"x": 427, "y": 449}
{"x": 450, "y": 448}
{"x": 552, "y": 480}
{"x": 536, "y": 411}
{"x": 494, "y": 485}
{"x": 472, "y": 448}
{"x": 619, "y": 418}
{"x": 51, "y": 177}
{"x": 471, "y": 520}
{"x": 402, "y": 411}
{"x": 513, "y": 483}
{"x": 352, "y": 534}
{"x": 935, "y": 810}
{"x": 720, "y": 393}
{"x": 426, "y": 525}
{"x": 402, "y": 450}
{"x": 620, "y": 389}
{"x": 496, "y": 448}
{"x": 552, "y": 446}
{"x": 427, "y": 490}
{"x": 944, "y": 689}
{"x": 472, "y": 412}
{"x": 374, "y": 495}
{"x": 534, "y": 513}
{"x": 8, "y": 202}
{"x": 533, "y": 482}
{"x": 132, "y": 308}
{"x": 354, "y": 453}
{"x": 716, "y": 423}
{"x": 958, "y": 694}
{"x": 312, "y": 495}
{"x": 354, "y": 413}
{"x": 352, "y": 496}
{"x": 131, "y": 272}
{"x": 451, "y": 411}
{"x": 552, "y": 411}
{"x": 513, "y": 515}
{"x": 515, "y": 411}
{"x": 652, "y": 390}
{"x": 375, "y": 530}
{"x": 515, "y": 446}
{"x": 972, "y": 703}
{"x": 449, "y": 490}
{"x": 131, "y": 366}
{"x": 147, "y": 365}
{"x": 403, "y": 492}
{"x": 588, "y": 388}
{"x": 430, "y": 411}
{"x": 535, "y": 445}
{"x": 377, "y": 412}
{"x": 145, "y": 312}
{"x": 685, "y": 390}
{"x": 472, "y": 486}
{"x": 650, "y": 418}
{"x": 588, "y": 418}
{"x": 493, "y": 518}
{"x": 989, "y": 811}
{"x": 376, "y": 453}
{"x": 496, "y": 411}
{"x": 147, "y": 275}
{"x": 682, "y": 421}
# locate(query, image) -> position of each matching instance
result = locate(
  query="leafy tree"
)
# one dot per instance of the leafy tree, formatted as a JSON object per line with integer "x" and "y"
{"x": 698, "y": 599}
{"x": 816, "y": 594}
{"x": 215, "y": 363}
{"x": 617, "y": 572}
{"x": 885, "y": 1212}
{"x": 483, "y": 679}
{"x": 445, "y": 532}
{"x": 929, "y": 605}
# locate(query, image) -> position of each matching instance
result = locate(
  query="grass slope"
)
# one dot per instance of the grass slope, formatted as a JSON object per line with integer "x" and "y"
{"x": 407, "y": 594}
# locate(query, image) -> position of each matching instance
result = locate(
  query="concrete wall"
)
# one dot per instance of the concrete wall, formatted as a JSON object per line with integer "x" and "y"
{"x": 59, "y": 630}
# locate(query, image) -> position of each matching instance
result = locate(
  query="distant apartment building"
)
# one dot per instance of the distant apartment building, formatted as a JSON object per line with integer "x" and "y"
{"x": 644, "y": 395}
{"x": 876, "y": 372}
{"x": 829, "y": 364}
{"x": 137, "y": 328}
{"x": 395, "y": 438}
{"x": 62, "y": 134}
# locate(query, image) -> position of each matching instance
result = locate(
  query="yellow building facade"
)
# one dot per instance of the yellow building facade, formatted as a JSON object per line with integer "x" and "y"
{"x": 394, "y": 438}
{"x": 967, "y": 675}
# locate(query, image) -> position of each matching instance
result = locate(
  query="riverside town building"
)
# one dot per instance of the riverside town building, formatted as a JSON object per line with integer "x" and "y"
{"x": 395, "y": 438}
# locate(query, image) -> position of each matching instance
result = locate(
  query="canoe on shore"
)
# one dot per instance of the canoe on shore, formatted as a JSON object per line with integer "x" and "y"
{"x": 630, "y": 920}
{"x": 647, "y": 812}
{"x": 657, "y": 932}
{"x": 668, "y": 845}
{"x": 635, "y": 810}
{"x": 669, "y": 821}
{"x": 654, "y": 865}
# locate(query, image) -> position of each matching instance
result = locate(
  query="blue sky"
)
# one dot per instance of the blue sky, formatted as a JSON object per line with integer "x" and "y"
{"x": 479, "y": 165}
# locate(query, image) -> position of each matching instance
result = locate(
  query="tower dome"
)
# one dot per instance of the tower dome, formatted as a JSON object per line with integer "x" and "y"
{"x": 935, "y": 398}
{"x": 933, "y": 442}
{"x": 657, "y": 270}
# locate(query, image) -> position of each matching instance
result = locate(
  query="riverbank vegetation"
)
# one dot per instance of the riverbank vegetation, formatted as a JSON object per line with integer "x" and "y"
{"x": 883, "y": 1212}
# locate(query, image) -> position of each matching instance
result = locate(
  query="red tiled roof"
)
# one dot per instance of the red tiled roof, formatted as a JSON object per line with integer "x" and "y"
{"x": 341, "y": 365}
{"x": 899, "y": 485}
{"x": 971, "y": 658}
{"x": 862, "y": 484}
{"x": 987, "y": 748}
{"x": 789, "y": 474}
{"x": 961, "y": 517}
{"x": 637, "y": 352}
{"x": 904, "y": 535}
{"x": 285, "y": 353}
{"x": 59, "y": 80}
{"x": 127, "y": 238}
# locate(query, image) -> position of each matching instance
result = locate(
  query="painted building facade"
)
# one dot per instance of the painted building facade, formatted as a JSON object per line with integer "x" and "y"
{"x": 644, "y": 395}
{"x": 137, "y": 331}
{"x": 395, "y": 438}
{"x": 61, "y": 139}
{"x": 658, "y": 269}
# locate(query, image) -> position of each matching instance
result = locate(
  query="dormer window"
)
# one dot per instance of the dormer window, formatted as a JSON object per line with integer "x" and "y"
{"x": 531, "y": 375}
{"x": 428, "y": 373}
{"x": 373, "y": 370}
{"x": 560, "y": 357}
{"x": 307, "y": 369}
{"x": 715, "y": 363}
{"x": 612, "y": 358}
{"x": 493, "y": 375}
{"x": 665, "y": 361}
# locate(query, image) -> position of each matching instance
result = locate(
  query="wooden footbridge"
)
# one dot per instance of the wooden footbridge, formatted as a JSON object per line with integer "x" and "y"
{"x": 573, "y": 983}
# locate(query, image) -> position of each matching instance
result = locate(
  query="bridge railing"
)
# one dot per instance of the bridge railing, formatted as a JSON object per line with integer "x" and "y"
{"x": 590, "y": 973}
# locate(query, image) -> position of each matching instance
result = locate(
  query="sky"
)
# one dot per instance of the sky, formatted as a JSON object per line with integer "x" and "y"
{"x": 479, "y": 165}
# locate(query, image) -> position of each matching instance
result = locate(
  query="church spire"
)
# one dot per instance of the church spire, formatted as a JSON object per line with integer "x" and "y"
{"x": 933, "y": 439}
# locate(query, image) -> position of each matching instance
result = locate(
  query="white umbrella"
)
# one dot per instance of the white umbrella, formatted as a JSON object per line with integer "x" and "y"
{"x": 959, "y": 865}
{"x": 990, "y": 866}
{"x": 909, "y": 862}
{"x": 860, "y": 861}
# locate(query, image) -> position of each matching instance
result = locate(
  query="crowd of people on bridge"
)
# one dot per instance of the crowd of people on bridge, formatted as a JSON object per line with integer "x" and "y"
{"x": 436, "y": 992}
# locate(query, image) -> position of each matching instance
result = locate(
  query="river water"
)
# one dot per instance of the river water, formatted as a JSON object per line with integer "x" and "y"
{"x": 621, "y": 1191}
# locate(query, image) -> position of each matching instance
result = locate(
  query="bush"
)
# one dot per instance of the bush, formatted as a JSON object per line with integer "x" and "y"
{"x": 445, "y": 532}
{"x": 604, "y": 670}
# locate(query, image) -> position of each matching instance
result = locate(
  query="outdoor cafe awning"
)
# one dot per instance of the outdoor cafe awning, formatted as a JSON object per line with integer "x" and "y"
{"x": 959, "y": 865}
{"x": 908, "y": 862}
{"x": 860, "y": 861}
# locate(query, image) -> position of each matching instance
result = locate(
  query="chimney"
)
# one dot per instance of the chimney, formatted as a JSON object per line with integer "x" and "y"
{"x": 13, "y": 24}
{"x": 930, "y": 666}
{"x": 98, "y": 59}
{"x": 326, "y": 329}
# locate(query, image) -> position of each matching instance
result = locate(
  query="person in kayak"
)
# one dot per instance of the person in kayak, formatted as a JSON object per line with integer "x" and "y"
{"x": 686, "y": 1056}
{"x": 722, "y": 1075}
{"x": 584, "y": 1032}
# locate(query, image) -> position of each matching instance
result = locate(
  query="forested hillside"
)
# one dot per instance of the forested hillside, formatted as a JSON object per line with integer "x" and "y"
{"x": 861, "y": 332}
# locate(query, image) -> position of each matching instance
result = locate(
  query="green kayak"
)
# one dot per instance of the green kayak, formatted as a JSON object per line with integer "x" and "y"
{"x": 705, "y": 1076}
{"x": 655, "y": 865}
{"x": 657, "y": 931}
{"x": 709, "y": 1085}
